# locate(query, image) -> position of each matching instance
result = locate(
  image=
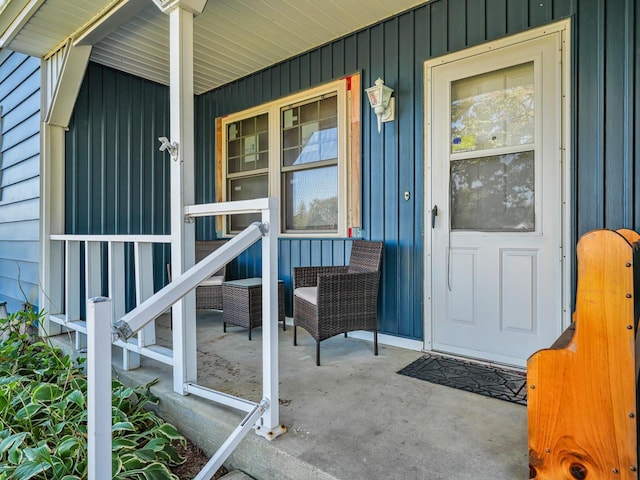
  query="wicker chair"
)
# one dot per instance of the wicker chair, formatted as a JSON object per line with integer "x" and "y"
{"x": 209, "y": 292}
{"x": 328, "y": 301}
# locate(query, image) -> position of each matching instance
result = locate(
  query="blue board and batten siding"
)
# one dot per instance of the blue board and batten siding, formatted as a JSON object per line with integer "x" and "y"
{"x": 19, "y": 178}
{"x": 116, "y": 179}
{"x": 605, "y": 95}
{"x": 392, "y": 162}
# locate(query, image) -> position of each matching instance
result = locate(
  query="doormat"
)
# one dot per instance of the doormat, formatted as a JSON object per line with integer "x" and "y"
{"x": 486, "y": 380}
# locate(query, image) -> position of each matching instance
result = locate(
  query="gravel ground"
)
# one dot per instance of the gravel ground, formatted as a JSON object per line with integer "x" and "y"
{"x": 196, "y": 459}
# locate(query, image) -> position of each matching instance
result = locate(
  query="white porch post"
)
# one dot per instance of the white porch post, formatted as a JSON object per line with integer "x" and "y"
{"x": 62, "y": 73}
{"x": 51, "y": 261}
{"x": 182, "y": 187}
{"x": 181, "y": 14}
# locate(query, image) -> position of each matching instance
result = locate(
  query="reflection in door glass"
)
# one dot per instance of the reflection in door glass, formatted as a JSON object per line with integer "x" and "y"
{"x": 493, "y": 110}
{"x": 493, "y": 194}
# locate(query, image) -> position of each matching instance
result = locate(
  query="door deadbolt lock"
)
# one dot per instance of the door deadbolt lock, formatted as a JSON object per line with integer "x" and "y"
{"x": 407, "y": 195}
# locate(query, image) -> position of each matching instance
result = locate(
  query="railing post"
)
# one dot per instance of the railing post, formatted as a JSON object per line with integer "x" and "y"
{"x": 270, "y": 427}
{"x": 99, "y": 316}
{"x": 92, "y": 279}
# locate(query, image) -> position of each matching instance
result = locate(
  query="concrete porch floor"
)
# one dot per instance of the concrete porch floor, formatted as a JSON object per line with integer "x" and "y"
{"x": 353, "y": 418}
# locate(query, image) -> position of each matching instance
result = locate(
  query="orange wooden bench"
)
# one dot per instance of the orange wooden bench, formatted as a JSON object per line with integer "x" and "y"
{"x": 582, "y": 398}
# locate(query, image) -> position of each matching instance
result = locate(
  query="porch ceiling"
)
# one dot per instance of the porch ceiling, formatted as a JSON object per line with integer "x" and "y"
{"x": 232, "y": 38}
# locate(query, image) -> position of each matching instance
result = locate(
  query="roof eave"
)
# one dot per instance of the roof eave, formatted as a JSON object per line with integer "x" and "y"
{"x": 15, "y": 15}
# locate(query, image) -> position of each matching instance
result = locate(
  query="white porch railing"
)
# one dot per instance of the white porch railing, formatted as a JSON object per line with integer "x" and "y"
{"x": 69, "y": 315}
{"x": 263, "y": 416}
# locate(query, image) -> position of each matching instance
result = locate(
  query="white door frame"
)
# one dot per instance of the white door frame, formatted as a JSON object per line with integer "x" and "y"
{"x": 567, "y": 247}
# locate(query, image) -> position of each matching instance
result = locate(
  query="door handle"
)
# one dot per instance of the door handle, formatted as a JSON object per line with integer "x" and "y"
{"x": 434, "y": 214}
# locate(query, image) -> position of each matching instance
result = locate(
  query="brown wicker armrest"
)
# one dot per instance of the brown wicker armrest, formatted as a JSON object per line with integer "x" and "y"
{"x": 308, "y": 276}
{"x": 348, "y": 293}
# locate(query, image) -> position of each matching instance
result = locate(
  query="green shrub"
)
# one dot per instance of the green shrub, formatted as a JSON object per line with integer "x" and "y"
{"x": 43, "y": 415}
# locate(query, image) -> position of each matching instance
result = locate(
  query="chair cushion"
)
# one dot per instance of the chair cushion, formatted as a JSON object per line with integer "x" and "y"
{"x": 308, "y": 294}
{"x": 212, "y": 281}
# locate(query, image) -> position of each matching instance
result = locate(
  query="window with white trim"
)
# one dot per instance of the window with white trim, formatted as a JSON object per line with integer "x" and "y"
{"x": 296, "y": 148}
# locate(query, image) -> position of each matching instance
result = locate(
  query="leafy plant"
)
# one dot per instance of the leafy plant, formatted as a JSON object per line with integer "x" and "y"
{"x": 43, "y": 415}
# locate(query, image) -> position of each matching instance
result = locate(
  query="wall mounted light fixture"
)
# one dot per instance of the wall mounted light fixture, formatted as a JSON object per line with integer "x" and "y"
{"x": 382, "y": 103}
{"x": 171, "y": 147}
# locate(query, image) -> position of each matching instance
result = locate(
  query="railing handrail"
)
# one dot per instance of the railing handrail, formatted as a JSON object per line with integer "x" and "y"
{"x": 263, "y": 416}
{"x": 127, "y": 238}
{"x": 159, "y": 302}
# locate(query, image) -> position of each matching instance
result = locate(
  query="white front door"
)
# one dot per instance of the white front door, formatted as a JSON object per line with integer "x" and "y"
{"x": 496, "y": 204}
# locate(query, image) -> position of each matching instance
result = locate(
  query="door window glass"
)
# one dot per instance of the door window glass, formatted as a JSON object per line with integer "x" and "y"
{"x": 493, "y": 194}
{"x": 493, "y": 110}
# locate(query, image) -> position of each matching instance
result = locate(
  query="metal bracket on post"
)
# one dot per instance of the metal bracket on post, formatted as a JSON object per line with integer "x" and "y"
{"x": 270, "y": 433}
{"x": 264, "y": 228}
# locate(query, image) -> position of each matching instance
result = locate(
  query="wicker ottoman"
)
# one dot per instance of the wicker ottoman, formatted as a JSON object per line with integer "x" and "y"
{"x": 242, "y": 303}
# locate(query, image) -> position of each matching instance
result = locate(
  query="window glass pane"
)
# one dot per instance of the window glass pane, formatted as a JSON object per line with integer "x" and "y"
{"x": 493, "y": 194}
{"x": 289, "y": 156}
{"x": 309, "y": 112}
{"x": 290, "y": 117}
{"x": 248, "y": 126}
{"x": 246, "y": 189}
{"x": 290, "y": 138}
{"x": 315, "y": 135}
{"x": 250, "y": 145}
{"x": 233, "y": 165}
{"x": 245, "y": 139}
{"x": 311, "y": 199}
{"x": 310, "y": 153}
{"x": 262, "y": 123}
{"x": 328, "y": 107}
{"x": 493, "y": 110}
{"x": 233, "y": 148}
{"x": 233, "y": 131}
{"x": 263, "y": 142}
{"x": 263, "y": 161}
{"x": 309, "y": 133}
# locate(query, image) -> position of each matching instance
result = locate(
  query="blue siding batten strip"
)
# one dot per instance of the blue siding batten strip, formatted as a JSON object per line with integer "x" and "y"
{"x": 634, "y": 69}
{"x": 438, "y": 28}
{"x": 616, "y": 44}
{"x": 496, "y": 24}
{"x": 628, "y": 120}
{"x": 517, "y": 15}
{"x": 540, "y": 12}
{"x": 590, "y": 116}
{"x": 457, "y": 25}
{"x": 407, "y": 95}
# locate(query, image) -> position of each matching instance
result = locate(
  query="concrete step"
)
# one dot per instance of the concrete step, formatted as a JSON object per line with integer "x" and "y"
{"x": 236, "y": 475}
